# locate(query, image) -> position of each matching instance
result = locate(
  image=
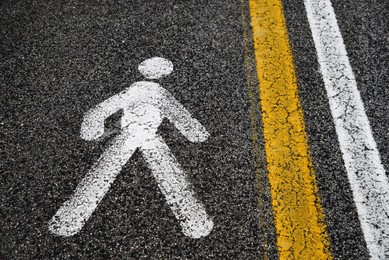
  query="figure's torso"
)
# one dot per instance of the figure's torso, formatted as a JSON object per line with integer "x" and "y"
{"x": 144, "y": 107}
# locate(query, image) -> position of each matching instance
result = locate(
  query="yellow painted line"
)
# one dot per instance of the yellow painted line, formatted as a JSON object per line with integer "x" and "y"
{"x": 299, "y": 219}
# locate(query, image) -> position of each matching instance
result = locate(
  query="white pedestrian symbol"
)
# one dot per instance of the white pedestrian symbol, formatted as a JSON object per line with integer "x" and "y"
{"x": 145, "y": 105}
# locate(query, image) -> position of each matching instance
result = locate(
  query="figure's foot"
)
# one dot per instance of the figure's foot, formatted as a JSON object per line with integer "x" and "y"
{"x": 65, "y": 227}
{"x": 197, "y": 227}
{"x": 198, "y": 230}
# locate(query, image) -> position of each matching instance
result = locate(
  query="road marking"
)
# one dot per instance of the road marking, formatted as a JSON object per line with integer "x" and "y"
{"x": 145, "y": 105}
{"x": 267, "y": 230}
{"x": 299, "y": 218}
{"x": 364, "y": 168}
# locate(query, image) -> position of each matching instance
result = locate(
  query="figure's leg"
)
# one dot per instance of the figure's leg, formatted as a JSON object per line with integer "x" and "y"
{"x": 73, "y": 214}
{"x": 171, "y": 179}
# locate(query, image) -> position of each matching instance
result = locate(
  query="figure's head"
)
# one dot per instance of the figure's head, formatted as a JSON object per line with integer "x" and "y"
{"x": 155, "y": 68}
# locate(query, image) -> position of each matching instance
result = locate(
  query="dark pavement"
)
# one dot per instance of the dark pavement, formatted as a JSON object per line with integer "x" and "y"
{"x": 59, "y": 59}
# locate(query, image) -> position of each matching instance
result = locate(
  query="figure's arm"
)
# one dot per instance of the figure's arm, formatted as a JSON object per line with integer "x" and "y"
{"x": 92, "y": 126}
{"x": 183, "y": 120}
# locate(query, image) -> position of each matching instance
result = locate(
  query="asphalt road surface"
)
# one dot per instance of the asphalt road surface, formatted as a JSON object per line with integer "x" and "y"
{"x": 60, "y": 59}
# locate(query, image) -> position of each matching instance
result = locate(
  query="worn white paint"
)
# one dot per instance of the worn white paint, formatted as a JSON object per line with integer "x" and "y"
{"x": 145, "y": 105}
{"x": 156, "y": 68}
{"x": 365, "y": 171}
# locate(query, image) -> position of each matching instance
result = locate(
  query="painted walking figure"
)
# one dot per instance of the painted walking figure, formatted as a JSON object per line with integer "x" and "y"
{"x": 145, "y": 104}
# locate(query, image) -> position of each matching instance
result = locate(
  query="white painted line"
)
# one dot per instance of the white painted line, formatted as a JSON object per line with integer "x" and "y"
{"x": 145, "y": 105}
{"x": 365, "y": 171}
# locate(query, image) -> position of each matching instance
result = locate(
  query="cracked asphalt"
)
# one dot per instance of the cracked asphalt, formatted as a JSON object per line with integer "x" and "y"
{"x": 59, "y": 59}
